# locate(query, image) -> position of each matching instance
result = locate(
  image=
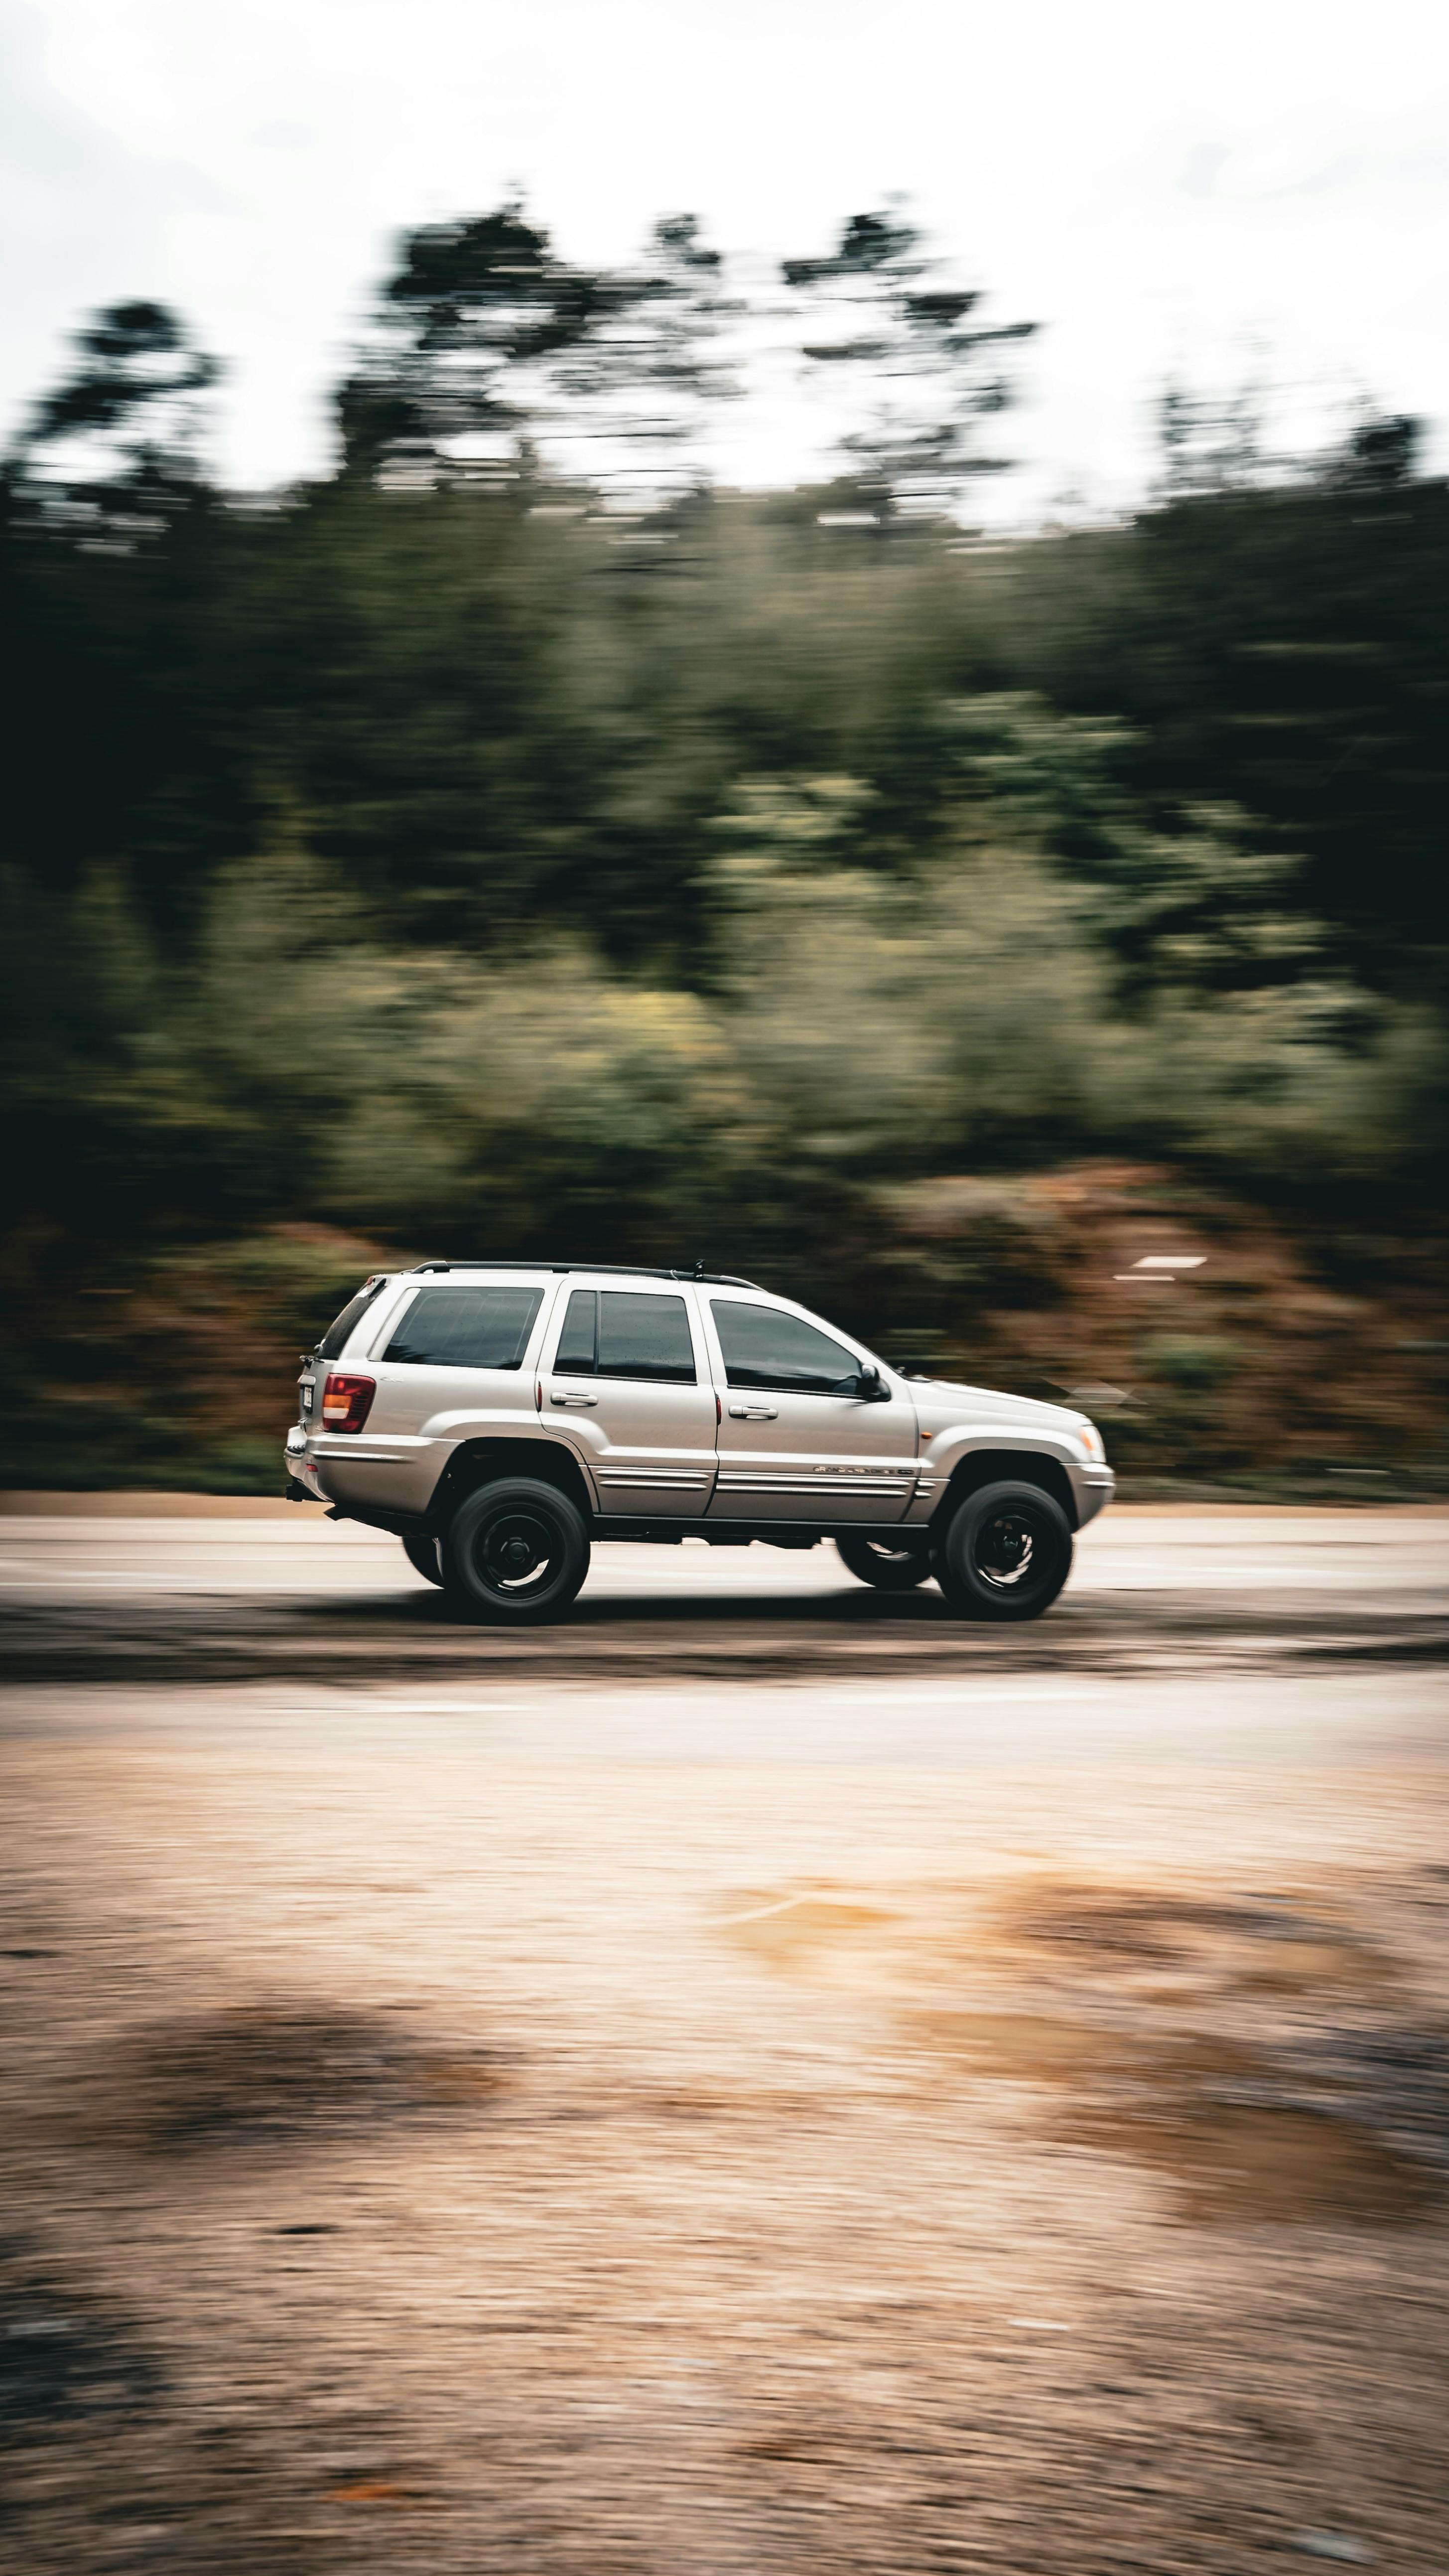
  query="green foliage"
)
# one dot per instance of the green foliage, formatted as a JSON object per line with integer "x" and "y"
{"x": 1282, "y": 647}
{"x": 1195, "y": 1361}
{"x": 446, "y": 861}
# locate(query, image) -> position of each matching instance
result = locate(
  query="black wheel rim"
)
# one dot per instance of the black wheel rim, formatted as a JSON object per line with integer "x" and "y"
{"x": 1011, "y": 1552}
{"x": 891, "y": 1555}
{"x": 519, "y": 1555}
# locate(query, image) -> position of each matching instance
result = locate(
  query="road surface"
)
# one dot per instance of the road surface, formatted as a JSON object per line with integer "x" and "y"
{"x": 760, "y": 2077}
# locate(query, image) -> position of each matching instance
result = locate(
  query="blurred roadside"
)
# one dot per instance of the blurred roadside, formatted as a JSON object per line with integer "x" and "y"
{"x": 1030, "y": 952}
{"x": 1226, "y": 1350}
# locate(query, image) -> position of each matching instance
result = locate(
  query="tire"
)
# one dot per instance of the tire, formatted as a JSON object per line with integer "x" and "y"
{"x": 422, "y": 1556}
{"x": 1005, "y": 1553}
{"x": 890, "y": 1569}
{"x": 515, "y": 1552}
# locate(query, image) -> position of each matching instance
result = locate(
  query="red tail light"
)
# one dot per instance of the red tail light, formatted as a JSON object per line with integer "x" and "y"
{"x": 346, "y": 1400}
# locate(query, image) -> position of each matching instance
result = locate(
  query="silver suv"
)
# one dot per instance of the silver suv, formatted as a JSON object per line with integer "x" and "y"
{"x": 499, "y": 1416}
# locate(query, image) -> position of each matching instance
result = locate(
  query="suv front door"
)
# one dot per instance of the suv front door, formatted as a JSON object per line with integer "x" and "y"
{"x": 798, "y": 1440}
{"x": 626, "y": 1376}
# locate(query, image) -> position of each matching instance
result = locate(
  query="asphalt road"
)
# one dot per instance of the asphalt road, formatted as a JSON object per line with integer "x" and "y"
{"x": 1295, "y": 1611}
{"x": 761, "y": 2080}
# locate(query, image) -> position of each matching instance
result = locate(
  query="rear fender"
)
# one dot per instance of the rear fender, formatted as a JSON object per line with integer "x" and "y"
{"x": 481, "y": 1462}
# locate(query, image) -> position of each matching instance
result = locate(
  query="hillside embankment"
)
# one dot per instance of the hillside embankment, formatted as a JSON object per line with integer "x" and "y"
{"x": 1225, "y": 1347}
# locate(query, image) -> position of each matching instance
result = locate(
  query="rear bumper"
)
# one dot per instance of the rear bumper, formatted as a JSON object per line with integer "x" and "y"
{"x": 395, "y": 1474}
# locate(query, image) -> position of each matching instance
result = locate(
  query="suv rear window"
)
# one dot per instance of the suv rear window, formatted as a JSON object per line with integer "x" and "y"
{"x": 619, "y": 1332}
{"x": 466, "y": 1328}
{"x": 334, "y": 1341}
{"x": 763, "y": 1348}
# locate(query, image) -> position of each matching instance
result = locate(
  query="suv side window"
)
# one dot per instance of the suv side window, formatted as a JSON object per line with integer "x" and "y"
{"x": 485, "y": 1328}
{"x": 763, "y": 1348}
{"x": 622, "y": 1332}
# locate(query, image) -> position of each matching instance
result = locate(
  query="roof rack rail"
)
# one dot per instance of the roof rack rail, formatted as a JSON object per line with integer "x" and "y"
{"x": 603, "y": 1269}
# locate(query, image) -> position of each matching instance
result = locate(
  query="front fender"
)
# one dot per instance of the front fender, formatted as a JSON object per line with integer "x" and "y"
{"x": 950, "y": 1449}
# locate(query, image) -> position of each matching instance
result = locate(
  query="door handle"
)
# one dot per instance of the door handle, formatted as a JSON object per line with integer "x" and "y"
{"x": 754, "y": 1412}
{"x": 573, "y": 1399}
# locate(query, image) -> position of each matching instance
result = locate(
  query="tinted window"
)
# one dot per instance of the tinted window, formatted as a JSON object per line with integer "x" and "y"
{"x": 644, "y": 1336}
{"x": 334, "y": 1341}
{"x": 764, "y": 1348}
{"x": 467, "y": 1327}
{"x": 620, "y": 1332}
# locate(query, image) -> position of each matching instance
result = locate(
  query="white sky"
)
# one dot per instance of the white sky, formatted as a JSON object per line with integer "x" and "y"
{"x": 1257, "y": 187}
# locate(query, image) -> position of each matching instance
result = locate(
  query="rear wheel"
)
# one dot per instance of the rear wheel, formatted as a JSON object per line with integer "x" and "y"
{"x": 515, "y": 1552}
{"x": 890, "y": 1569}
{"x": 1005, "y": 1553}
{"x": 422, "y": 1556}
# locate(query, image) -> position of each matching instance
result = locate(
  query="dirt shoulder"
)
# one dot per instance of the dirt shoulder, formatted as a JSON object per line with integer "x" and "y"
{"x": 638, "y": 2169}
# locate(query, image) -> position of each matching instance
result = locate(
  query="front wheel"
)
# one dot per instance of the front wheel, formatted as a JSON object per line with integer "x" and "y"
{"x": 1005, "y": 1553}
{"x": 515, "y": 1552}
{"x": 874, "y": 1560}
{"x": 422, "y": 1556}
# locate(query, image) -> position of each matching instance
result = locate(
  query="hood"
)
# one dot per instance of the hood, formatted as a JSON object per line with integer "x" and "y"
{"x": 939, "y": 1403}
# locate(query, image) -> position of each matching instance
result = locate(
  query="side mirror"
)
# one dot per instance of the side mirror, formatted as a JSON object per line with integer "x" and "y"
{"x": 873, "y": 1388}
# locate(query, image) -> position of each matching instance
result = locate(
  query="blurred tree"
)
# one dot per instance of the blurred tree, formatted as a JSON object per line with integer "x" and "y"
{"x": 891, "y": 334}
{"x": 639, "y": 390}
{"x": 1281, "y": 647}
{"x": 1380, "y": 455}
{"x": 118, "y": 438}
{"x": 1200, "y": 905}
{"x": 1208, "y": 443}
{"x": 126, "y": 623}
{"x": 457, "y": 373}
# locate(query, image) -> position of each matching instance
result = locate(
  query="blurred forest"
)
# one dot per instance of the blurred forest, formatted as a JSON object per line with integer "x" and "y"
{"x": 513, "y": 842}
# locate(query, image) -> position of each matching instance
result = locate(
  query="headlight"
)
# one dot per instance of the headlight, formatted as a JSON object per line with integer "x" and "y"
{"x": 1091, "y": 1440}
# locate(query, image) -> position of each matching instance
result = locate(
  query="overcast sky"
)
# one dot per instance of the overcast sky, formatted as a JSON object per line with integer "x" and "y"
{"x": 1254, "y": 188}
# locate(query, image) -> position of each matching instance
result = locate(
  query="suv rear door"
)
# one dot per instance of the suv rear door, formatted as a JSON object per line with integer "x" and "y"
{"x": 627, "y": 1379}
{"x": 457, "y": 1350}
{"x": 797, "y": 1440}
